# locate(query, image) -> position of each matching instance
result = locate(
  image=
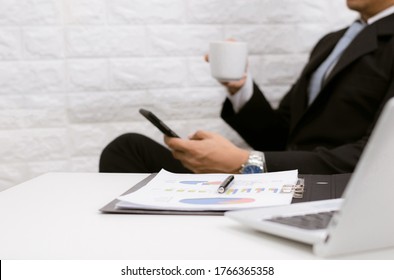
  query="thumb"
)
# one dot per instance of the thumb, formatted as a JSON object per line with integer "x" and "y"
{"x": 200, "y": 135}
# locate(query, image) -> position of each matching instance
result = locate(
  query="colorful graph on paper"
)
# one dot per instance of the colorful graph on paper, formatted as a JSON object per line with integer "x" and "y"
{"x": 230, "y": 191}
{"x": 199, "y": 191}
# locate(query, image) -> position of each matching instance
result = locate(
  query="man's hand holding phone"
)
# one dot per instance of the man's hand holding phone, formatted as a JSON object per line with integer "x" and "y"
{"x": 207, "y": 152}
{"x": 203, "y": 152}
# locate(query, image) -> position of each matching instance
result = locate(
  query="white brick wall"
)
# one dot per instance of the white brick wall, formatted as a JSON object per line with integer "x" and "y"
{"x": 73, "y": 73}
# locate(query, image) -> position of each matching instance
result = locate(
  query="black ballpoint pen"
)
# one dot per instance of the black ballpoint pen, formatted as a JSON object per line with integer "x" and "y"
{"x": 224, "y": 185}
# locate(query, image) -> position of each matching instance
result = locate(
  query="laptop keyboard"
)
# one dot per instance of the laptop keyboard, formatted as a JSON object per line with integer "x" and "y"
{"x": 308, "y": 221}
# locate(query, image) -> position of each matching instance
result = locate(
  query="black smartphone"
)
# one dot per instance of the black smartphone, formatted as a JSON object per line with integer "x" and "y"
{"x": 158, "y": 123}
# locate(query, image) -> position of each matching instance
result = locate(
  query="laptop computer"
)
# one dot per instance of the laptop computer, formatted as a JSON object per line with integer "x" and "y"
{"x": 363, "y": 219}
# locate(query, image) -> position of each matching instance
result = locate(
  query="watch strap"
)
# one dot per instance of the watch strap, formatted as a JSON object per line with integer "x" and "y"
{"x": 256, "y": 158}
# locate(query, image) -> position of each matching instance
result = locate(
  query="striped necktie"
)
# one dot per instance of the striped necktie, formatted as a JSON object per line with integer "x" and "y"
{"x": 325, "y": 68}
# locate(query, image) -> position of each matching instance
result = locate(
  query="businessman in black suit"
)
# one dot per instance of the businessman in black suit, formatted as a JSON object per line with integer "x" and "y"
{"x": 321, "y": 126}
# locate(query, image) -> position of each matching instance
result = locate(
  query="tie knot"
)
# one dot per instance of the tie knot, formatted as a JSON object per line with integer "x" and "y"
{"x": 354, "y": 29}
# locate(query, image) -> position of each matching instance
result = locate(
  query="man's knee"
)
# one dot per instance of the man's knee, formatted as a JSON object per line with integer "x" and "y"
{"x": 125, "y": 140}
{"x": 116, "y": 152}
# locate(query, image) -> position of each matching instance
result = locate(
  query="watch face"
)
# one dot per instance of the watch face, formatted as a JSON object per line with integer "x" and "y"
{"x": 249, "y": 169}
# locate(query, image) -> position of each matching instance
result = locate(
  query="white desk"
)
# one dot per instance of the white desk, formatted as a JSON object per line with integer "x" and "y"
{"x": 55, "y": 216}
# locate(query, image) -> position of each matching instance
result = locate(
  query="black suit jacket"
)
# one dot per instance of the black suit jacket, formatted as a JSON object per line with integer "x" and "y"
{"x": 329, "y": 135}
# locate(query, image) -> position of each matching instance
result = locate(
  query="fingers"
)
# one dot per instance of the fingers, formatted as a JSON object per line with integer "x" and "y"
{"x": 184, "y": 145}
{"x": 176, "y": 143}
{"x": 179, "y": 156}
{"x": 234, "y": 86}
{"x": 189, "y": 161}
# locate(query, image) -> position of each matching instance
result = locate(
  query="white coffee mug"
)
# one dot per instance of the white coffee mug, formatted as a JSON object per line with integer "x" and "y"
{"x": 228, "y": 60}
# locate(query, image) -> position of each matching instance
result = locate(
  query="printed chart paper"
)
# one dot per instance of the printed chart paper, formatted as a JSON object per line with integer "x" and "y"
{"x": 198, "y": 192}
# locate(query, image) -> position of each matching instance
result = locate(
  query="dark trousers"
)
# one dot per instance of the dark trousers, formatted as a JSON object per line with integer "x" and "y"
{"x": 136, "y": 153}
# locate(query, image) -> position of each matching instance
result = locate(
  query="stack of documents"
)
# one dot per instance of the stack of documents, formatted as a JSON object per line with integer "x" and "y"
{"x": 199, "y": 192}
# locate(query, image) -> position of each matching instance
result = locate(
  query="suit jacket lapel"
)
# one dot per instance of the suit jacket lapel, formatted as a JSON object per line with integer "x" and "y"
{"x": 364, "y": 43}
{"x": 322, "y": 53}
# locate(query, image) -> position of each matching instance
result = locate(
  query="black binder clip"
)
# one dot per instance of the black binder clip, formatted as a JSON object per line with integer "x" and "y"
{"x": 297, "y": 190}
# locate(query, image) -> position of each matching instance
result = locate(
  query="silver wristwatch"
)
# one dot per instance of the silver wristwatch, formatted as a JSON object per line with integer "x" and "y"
{"x": 254, "y": 164}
